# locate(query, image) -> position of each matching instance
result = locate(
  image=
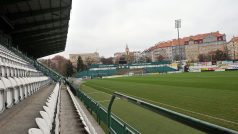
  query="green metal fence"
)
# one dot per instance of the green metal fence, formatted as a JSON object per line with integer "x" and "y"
{"x": 117, "y": 125}
{"x": 47, "y": 71}
{"x": 187, "y": 120}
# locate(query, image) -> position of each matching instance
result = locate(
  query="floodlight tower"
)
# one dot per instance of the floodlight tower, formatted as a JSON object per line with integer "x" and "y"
{"x": 177, "y": 26}
{"x": 234, "y": 54}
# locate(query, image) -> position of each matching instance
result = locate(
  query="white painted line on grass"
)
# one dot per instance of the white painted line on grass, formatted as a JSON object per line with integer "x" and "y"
{"x": 221, "y": 119}
{"x": 100, "y": 91}
{"x": 108, "y": 100}
{"x": 93, "y": 92}
{"x": 209, "y": 116}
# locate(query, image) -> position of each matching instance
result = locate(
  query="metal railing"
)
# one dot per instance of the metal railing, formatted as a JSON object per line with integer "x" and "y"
{"x": 48, "y": 71}
{"x": 187, "y": 120}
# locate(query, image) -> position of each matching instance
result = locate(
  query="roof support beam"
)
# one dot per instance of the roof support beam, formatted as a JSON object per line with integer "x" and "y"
{"x": 22, "y": 15}
{"x": 45, "y": 39}
{"x": 7, "y": 22}
{"x": 39, "y": 37}
{"x": 43, "y": 53}
{"x": 9, "y": 2}
{"x": 25, "y": 26}
{"x": 45, "y": 48}
{"x": 47, "y": 53}
{"x": 40, "y": 50}
{"x": 32, "y": 43}
{"x": 39, "y": 31}
{"x": 52, "y": 46}
{"x": 45, "y": 44}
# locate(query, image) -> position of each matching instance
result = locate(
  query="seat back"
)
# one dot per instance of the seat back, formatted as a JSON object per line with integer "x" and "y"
{"x": 42, "y": 125}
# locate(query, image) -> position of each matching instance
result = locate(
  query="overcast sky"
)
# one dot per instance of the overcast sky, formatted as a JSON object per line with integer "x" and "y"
{"x": 106, "y": 26}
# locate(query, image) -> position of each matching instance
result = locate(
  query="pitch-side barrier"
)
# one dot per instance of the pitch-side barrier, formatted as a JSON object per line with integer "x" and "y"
{"x": 187, "y": 120}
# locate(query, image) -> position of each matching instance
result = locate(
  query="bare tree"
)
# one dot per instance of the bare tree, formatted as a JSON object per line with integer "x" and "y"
{"x": 57, "y": 63}
{"x": 160, "y": 58}
{"x": 148, "y": 59}
{"x": 107, "y": 60}
{"x": 89, "y": 61}
{"x": 220, "y": 55}
{"x": 176, "y": 57}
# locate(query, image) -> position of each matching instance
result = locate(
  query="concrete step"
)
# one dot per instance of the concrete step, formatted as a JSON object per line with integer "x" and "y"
{"x": 21, "y": 117}
{"x": 70, "y": 123}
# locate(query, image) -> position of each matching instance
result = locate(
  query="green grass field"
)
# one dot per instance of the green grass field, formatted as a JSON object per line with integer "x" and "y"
{"x": 210, "y": 96}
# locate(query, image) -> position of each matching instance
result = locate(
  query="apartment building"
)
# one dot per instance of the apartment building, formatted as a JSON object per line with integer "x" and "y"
{"x": 188, "y": 48}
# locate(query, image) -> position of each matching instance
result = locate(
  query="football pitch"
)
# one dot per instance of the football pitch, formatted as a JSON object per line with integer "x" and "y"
{"x": 209, "y": 96}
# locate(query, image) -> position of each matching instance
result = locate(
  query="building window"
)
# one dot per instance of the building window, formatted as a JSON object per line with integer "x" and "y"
{"x": 220, "y": 39}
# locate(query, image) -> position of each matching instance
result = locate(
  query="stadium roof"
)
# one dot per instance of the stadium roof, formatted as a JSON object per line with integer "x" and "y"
{"x": 37, "y": 27}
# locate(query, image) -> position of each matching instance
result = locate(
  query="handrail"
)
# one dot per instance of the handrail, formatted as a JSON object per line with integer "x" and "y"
{"x": 51, "y": 71}
{"x": 187, "y": 120}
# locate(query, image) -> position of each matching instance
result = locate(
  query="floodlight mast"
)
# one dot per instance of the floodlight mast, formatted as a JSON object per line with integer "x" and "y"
{"x": 177, "y": 26}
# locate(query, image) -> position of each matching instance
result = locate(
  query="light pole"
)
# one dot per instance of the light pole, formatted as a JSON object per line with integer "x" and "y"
{"x": 234, "y": 51}
{"x": 177, "y": 26}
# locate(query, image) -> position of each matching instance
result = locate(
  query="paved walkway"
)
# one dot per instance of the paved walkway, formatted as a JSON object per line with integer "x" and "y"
{"x": 21, "y": 117}
{"x": 69, "y": 121}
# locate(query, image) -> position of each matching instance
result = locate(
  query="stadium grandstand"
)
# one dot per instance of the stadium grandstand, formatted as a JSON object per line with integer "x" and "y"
{"x": 30, "y": 93}
{"x": 100, "y": 70}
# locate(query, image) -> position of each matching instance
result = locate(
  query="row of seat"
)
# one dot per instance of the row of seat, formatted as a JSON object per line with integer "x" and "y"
{"x": 15, "y": 64}
{"x": 18, "y": 79}
{"x": 82, "y": 116}
{"x": 12, "y": 70}
{"x": 49, "y": 122}
{"x": 9, "y": 56}
{"x": 15, "y": 89}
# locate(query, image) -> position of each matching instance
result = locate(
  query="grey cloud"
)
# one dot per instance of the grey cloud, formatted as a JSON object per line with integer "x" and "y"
{"x": 107, "y": 25}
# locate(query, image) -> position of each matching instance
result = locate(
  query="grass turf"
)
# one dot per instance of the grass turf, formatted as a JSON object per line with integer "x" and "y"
{"x": 210, "y": 96}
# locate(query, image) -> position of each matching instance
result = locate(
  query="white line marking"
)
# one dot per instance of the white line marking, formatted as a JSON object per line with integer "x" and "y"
{"x": 216, "y": 118}
{"x": 99, "y": 90}
{"x": 108, "y": 100}
{"x": 93, "y": 92}
{"x": 221, "y": 119}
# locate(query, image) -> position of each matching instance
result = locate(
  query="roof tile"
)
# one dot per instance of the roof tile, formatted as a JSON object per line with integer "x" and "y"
{"x": 175, "y": 42}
